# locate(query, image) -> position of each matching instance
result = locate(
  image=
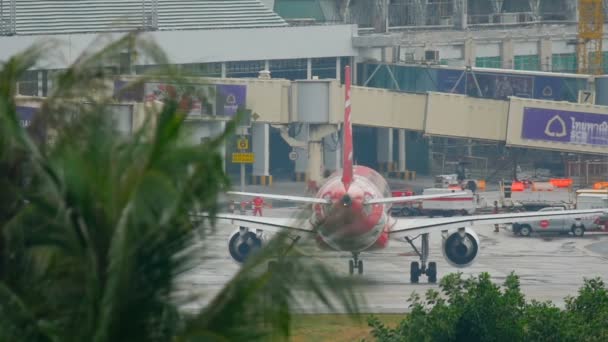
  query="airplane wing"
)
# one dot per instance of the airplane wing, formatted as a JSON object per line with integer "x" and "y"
{"x": 407, "y": 227}
{"x": 413, "y": 198}
{"x": 270, "y": 224}
{"x": 311, "y": 200}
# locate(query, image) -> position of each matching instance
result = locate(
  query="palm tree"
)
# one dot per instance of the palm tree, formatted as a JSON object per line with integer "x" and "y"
{"x": 103, "y": 226}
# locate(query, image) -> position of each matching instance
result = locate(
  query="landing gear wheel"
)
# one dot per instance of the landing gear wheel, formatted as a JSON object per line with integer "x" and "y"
{"x": 431, "y": 272}
{"x": 360, "y": 267}
{"x": 525, "y": 230}
{"x": 414, "y": 272}
{"x": 578, "y": 231}
{"x": 351, "y": 266}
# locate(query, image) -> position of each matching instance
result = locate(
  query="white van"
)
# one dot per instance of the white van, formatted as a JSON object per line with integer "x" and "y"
{"x": 591, "y": 199}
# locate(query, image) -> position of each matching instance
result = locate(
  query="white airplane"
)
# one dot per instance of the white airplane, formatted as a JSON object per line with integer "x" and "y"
{"x": 351, "y": 213}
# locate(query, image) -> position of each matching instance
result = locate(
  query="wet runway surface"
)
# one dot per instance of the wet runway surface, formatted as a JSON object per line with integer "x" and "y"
{"x": 550, "y": 267}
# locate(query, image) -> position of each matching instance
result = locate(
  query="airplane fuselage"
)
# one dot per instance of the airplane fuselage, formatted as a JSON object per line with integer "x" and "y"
{"x": 347, "y": 224}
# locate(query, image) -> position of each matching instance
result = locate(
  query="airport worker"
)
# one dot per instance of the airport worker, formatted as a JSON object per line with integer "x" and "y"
{"x": 472, "y": 185}
{"x": 258, "y": 203}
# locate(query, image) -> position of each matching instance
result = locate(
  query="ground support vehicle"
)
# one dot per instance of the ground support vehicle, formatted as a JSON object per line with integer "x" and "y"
{"x": 465, "y": 204}
{"x": 576, "y": 226}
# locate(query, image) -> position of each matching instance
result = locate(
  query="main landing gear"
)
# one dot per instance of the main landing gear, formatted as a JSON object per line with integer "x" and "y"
{"x": 355, "y": 263}
{"x": 417, "y": 269}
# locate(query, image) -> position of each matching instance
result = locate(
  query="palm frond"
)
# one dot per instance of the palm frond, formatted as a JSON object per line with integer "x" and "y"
{"x": 107, "y": 227}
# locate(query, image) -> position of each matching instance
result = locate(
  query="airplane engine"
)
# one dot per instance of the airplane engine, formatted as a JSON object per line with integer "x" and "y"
{"x": 460, "y": 248}
{"x": 243, "y": 243}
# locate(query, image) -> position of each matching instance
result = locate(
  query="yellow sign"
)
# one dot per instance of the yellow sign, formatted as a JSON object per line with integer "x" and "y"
{"x": 242, "y": 144}
{"x": 242, "y": 158}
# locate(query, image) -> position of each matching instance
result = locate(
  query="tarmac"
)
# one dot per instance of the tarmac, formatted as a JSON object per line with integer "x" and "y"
{"x": 550, "y": 267}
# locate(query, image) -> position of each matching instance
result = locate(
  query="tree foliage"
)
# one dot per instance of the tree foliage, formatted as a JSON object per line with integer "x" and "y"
{"x": 476, "y": 309}
{"x": 96, "y": 228}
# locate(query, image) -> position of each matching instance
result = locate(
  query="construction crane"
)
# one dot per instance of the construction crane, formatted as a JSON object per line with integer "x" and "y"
{"x": 590, "y": 32}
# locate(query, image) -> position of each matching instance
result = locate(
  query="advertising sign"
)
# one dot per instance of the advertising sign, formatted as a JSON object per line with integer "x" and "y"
{"x": 242, "y": 144}
{"x": 193, "y": 99}
{"x": 565, "y": 126}
{"x": 500, "y": 86}
{"x": 26, "y": 115}
{"x": 451, "y": 81}
{"x": 134, "y": 93}
{"x": 230, "y": 98}
{"x": 199, "y": 99}
{"x": 243, "y": 158}
{"x": 548, "y": 88}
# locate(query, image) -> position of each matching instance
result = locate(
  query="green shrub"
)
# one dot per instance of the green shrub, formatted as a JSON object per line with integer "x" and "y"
{"x": 476, "y": 309}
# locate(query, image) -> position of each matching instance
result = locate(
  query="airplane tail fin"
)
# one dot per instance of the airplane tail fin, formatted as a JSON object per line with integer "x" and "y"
{"x": 347, "y": 134}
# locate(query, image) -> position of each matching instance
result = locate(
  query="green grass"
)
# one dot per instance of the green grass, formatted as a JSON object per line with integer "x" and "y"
{"x": 328, "y": 327}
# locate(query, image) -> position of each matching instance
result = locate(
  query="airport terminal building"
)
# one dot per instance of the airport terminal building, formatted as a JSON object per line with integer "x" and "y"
{"x": 412, "y": 58}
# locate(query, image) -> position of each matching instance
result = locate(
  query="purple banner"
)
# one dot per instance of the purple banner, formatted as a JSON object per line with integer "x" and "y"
{"x": 548, "y": 88}
{"x": 26, "y": 115}
{"x": 230, "y": 98}
{"x": 564, "y": 126}
{"x": 134, "y": 93}
{"x": 499, "y": 86}
{"x": 451, "y": 81}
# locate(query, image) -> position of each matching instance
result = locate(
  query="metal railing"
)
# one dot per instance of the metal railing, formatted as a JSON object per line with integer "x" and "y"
{"x": 587, "y": 172}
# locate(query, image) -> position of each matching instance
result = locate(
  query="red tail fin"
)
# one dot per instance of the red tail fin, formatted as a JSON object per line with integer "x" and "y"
{"x": 347, "y": 135}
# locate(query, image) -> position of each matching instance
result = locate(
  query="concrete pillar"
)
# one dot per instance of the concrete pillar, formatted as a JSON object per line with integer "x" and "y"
{"x": 420, "y": 10}
{"x": 223, "y": 69}
{"x": 260, "y": 141}
{"x": 49, "y": 81}
{"x": 389, "y": 55}
{"x": 316, "y": 167}
{"x": 507, "y": 53}
{"x": 545, "y": 53}
{"x": 315, "y": 160}
{"x": 308, "y": 68}
{"x": 332, "y": 153}
{"x": 40, "y": 83}
{"x": 401, "y": 153}
{"x": 266, "y": 65}
{"x": 469, "y": 50}
{"x": 464, "y": 14}
{"x": 302, "y": 159}
{"x": 470, "y": 147}
{"x": 338, "y": 68}
{"x": 384, "y": 149}
{"x": 497, "y": 6}
{"x": 380, "y": 16}
{"x": 535, "y": 7}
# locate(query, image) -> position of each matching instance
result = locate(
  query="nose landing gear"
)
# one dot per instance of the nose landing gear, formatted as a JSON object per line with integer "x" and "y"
{"x": 418, "y": 269}
{"x": 355, "y": 263}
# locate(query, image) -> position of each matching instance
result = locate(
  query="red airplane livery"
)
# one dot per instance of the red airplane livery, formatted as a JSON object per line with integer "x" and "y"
{"x": 350, "y": 213}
